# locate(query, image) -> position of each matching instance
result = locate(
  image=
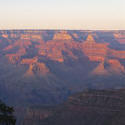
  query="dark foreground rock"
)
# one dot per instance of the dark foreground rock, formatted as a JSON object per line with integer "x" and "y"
{"x": 92, "y": 107}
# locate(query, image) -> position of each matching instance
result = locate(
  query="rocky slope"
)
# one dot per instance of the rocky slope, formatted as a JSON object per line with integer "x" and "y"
{"x": 92, "y": 107}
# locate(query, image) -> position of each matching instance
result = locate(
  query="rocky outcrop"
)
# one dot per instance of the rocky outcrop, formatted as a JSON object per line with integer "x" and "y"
{"x": 95, "y": 51}
{"x": 109, "y": 67}
{"x": 13, "y": 58}
{"x": 29, "y": 61}
{"x": 5, "y": 35}
{"x": 100, "y": 70}
{"x": 62, "y": 35}
{"x": 30, "y": 37}
{"x": 120, "y": 37}
{"x": 38, "y": 69}
{"x": 96, "y": 107}
{"x": 115, "y": 66}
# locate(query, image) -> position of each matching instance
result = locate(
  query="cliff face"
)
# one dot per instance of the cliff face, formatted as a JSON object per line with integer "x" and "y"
{"x": 92, "y": 107}
{"x": 57, "y": 63}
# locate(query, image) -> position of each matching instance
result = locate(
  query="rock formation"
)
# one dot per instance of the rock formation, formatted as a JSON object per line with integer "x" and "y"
{"x": 63, "y": 35}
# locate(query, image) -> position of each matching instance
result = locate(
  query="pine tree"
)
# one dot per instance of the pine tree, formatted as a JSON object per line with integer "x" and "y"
{"x": 6, "y": 115}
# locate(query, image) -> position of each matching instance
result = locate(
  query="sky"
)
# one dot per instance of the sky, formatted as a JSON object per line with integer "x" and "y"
{"x": 62, "y": 14}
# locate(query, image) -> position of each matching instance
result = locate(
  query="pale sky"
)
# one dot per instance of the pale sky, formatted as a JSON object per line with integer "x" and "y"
{"x": 62, "y": 14}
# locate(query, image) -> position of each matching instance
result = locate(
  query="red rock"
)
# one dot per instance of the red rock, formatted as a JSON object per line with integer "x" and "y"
{"x": 63, "y": 35}
{"x": 63, "y": 42}
{"x": 100, "y": 70}
{"x": 116, "y": 66}
{"x": 29, "y": 61}
{"x": 39, "y": 69}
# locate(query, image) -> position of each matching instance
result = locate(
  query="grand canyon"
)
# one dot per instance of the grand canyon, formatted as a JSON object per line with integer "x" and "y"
{"x": 69, "y": 68}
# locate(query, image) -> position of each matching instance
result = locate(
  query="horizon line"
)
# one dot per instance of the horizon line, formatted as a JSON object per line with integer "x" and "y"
{"x": 62, "y": 29}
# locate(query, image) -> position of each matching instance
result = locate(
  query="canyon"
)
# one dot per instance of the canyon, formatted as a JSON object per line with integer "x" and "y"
{"x": 45, "y": 67}
{"x": 59, "y": 62}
